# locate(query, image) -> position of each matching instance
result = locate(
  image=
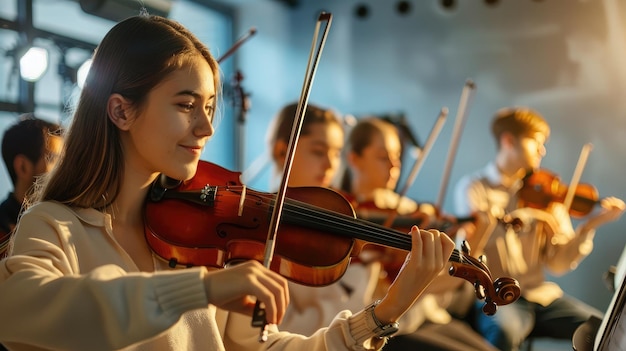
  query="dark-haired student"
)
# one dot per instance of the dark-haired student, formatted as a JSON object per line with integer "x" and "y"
{"x": 30, "y": 148}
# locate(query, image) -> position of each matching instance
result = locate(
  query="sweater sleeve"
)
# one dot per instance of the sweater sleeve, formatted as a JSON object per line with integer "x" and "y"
{"x": 347, "y": 331}
{"x": 48, "y": 301}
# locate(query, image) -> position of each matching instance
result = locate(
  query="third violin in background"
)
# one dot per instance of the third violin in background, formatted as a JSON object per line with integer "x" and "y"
{"x": 542, "y": 187}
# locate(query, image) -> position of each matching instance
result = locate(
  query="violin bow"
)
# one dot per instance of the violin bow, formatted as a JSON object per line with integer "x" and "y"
{"x": 239, "y": 97}
{"x": 466, "y": 94}
{"x": 419, "y": 162}
{"x": 251, "y": 32}
{"x": 258, "y": 317}
{"x": 578, "y": 171}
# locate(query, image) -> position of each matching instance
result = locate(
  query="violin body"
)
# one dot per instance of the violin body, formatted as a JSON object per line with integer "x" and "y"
{"x": 217, "y": 235}
{"x": 213, "y": 220}
{"x": 391, "y": 258}
{"x": 541, "y": 188}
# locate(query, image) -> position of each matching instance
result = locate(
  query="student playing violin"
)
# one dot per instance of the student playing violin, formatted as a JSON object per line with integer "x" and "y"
{"x": 373, "y": 162}
{"x": 81, "y": 275}
{"x": 315, "y": 163}
{"x": 373, "y": 156}
{"x": 546, "y": 240}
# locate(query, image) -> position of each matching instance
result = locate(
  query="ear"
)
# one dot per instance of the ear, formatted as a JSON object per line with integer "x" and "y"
{"x": 23, "y": 167}
{"x": 279, "y": 152}
{"x": 118, "y": 110}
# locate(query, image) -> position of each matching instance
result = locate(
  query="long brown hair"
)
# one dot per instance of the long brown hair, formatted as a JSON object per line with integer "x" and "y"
{"x": 134, "y": 56}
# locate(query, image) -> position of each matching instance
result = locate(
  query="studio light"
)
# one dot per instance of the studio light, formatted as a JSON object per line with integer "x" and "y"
{"x": 33, "y": 64}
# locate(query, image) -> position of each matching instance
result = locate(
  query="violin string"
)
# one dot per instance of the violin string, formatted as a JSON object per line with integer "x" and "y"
{"x": 341, "y": 224}
{"x": 311, "y": 215}
{"x": 305, "y": 214}
{"x": 367, "y": 231}
{"x": 314, "y": 217}
{"x": 390, "y": 237}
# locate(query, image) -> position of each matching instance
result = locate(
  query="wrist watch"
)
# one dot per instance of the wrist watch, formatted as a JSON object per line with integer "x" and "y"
{"x": 379, "y": 329}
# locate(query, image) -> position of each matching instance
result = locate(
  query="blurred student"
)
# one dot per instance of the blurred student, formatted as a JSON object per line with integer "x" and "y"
{"x": 545, "y": 241}
{"x": 318, "y": 154}
{"x": 315, "y": 164}
{"x": 373, "y": 156}
{"x": 30, "y": 148}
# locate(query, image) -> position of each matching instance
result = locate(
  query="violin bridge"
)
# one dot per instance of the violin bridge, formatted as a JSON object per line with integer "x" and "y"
{"x": 241, "y": 200}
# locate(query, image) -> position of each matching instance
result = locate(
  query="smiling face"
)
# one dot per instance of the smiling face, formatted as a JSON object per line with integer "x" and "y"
{"x": 168, "y": 132}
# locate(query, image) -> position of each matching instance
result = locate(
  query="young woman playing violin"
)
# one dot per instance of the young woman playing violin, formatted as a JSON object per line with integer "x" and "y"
{"x": 546, "y": 240}
{"x": 373, "y": 161}
{"x": 373, "y": 157}
{"x": 81, "y": 275}
{"x": 316, "y": 162}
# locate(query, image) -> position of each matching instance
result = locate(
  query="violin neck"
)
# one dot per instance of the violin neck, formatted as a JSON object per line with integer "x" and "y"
{"x": 300, "y": 213}
{"x": 314, "y": 217}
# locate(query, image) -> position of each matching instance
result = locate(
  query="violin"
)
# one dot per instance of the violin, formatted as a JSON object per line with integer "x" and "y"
{"x": 370, "y": 212}
{"x": 193, "y": 223}
{"x": 392, "y": 259}
{"x": 541, "y": 188}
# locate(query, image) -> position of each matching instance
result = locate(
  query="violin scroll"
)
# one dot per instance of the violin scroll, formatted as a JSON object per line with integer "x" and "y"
{"x": 502, "y": 291}
{"x": 507, "y": 289}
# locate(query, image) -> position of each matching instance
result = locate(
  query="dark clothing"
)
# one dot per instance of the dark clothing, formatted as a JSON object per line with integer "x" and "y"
{"x": 9, "y": 212}
{"x": 454, "y": 336}
{"x": 513, "y": 323}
